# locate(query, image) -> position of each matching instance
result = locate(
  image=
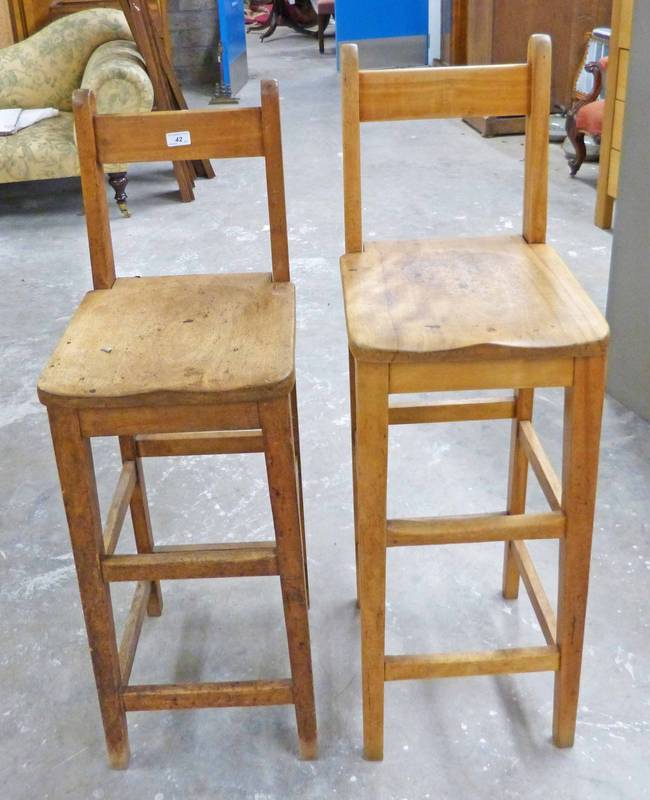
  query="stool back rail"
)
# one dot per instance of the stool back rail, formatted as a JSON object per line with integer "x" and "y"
{"x": 145, "y": 400}
{"x": 396, "y": 348}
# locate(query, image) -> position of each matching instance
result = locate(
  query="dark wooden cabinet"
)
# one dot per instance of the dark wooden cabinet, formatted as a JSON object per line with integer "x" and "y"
{"x": 498, "y": 31}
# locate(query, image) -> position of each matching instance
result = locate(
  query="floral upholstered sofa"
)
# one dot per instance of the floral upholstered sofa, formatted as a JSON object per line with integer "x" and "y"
{"x": 91, "y": 49}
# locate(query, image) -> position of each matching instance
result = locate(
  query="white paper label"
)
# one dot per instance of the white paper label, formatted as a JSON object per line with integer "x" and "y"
{"x": 178, "y": 139}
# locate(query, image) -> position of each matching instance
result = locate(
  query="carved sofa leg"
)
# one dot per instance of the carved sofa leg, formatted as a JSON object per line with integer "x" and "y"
{"x": 118, "y": 181}
{"x": 577, "y": 139}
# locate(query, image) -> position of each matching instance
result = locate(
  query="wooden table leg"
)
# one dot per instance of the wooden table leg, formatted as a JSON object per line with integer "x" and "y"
{"x": 371, "y": 475}
{"x": 275, "y": 419}
{"x": 517, "y": 484}
{"x": 141, "y": 520}
{"x": 77, "y": 476}
{"x": 582, "y": 419}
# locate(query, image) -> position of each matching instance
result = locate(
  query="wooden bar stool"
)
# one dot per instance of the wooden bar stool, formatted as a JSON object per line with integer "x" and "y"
{"x": 182, "y": 365}
{"x": 461, "y": 314}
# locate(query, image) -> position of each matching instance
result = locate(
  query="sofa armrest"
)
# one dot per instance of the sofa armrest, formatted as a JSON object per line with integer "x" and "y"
{"x": 116, "y": 74}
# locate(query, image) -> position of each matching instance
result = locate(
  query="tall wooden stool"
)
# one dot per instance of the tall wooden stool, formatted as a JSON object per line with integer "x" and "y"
{"x": 182, "y": 365}
{"x": 461, "y": 314}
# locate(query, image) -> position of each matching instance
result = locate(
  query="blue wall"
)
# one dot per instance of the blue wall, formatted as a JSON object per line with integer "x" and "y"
{"x": 380, "y": 19}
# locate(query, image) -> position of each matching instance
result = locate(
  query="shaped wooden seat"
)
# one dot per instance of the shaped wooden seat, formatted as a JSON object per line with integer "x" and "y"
{"x": 470, "y": 314}
{"x": 462, "y": 299}
{"x": 179, "y": 366}
{"x": 175, "y": 340}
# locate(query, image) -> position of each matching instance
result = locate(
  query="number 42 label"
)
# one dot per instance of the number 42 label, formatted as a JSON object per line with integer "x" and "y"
{"x": 178, "y": 139}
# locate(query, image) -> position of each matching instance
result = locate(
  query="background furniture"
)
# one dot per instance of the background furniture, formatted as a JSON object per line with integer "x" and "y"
{"x": 628, "y": 299}
{"x": 325, "y": 10}
{"x": 232, "y": 54}
{"x": 60, "y": 8}
{"x": 586, "y": 115}
{"x": 498, "y": 32}
{"x": 388, "y": 34}
{"x": 28, "y": 16}
{"x": 611, "y": 143}
{"x": 465, "y": 314}
{"x": 197, "y": 365}
{"x": 453, "y": 32}
{"x": 145, "y": 24}
{"x": 93, "y": 49}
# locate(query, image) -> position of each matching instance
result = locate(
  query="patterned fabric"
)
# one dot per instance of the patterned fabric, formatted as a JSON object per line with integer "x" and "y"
{"x": 45, "y": 150}
{"x": 46, "y": 68}
{"x": 113, "y": 69}
{"x": 116, "y": 73}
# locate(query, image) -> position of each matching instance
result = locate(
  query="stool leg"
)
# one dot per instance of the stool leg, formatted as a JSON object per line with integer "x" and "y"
{"x": 140, "y": 519}
{"x": 371, "y": 476}
{"x": 76, "y": 473}
{"x": 582, "y": 418}
{"x": 517, "y": 482}
{"x": 353, "y": 430}
{"x": 296, "y": 447}
{"x": 275, "y": 419}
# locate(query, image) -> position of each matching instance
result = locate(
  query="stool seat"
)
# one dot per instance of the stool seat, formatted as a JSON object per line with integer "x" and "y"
{"x": 176, "y": 340}
{"x": 466, "y": 299}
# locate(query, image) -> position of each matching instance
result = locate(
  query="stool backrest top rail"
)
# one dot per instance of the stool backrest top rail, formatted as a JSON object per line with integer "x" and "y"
{"x": 445, "y": 93}
{"x": 177, "y": 135}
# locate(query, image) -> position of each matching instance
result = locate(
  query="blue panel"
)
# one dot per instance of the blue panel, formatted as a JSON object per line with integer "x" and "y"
{"x": 381, "y": 19}
{"x": 232, "y": 33}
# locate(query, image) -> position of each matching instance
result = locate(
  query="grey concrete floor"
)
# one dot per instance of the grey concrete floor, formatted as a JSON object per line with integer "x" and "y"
{"x": 459, "y": 738}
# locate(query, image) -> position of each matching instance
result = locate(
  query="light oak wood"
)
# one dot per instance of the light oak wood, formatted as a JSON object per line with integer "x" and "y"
{"x": 371, "y": 476}
{"x": 474, "y": 528}
{"x": 538, "y": 598}
{"x": 119, "y": 506}
{"x": 176, "y": 696}
{"x": 617, "y": 72}
{"x": 160, "y": 445}
{"x": 459, "y": 411}
{"x": 351, "y": 148}
{"x": 455, "y": 315}
{"x": 168, "y": 419}
{"x": 582, "y": 419}
{"x": 215, "y": 562}
{"x": 185, "y": 365}
{"x": 353, "y": 443}
{"x": 623, "y": 72}
{"x": 140, "y": 518}
{"x": 183, "y": 339}
{"x": 282, "y": 475}
{"x": 536, "y": 158}
{"x": 215, "y": 133}
{"x": 463, "y": 664}
{"x": 132, "y": 629}
{"x": 436, "y": 299}
{"x": 76, "y": 474}
{"x": 517, "y": 485}
{"x": 541, "y": 465}
{"x": 625, "y": 24}
{"x": 272, "y": 151}
{"x": 400, "y": 94}
{"x": 447, "y": 376}
{"x": 102, "y": 262}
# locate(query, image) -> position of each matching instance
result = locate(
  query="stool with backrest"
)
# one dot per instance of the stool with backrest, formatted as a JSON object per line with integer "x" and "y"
{"x": 468, "y": 314}
{"x": 173, "y": 366}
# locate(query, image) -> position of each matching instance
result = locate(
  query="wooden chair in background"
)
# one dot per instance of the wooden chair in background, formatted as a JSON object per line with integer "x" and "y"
{"x": 467, "y": 314}
{"x": 181, "y": 365}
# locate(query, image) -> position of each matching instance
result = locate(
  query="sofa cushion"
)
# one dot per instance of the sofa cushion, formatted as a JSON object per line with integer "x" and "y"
{"x": 44, "y": 150}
